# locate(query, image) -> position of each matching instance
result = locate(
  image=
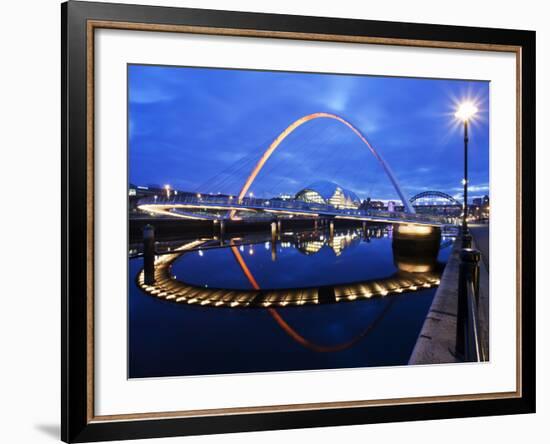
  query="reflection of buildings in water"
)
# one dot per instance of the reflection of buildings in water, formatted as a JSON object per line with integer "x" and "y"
{"x": 310, "y": 247}
{"x": 312, "y": 242}
{"x": 342, "y": 241}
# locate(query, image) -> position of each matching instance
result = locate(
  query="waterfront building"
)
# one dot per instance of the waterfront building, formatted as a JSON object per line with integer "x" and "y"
{"x": 329, "y": 193}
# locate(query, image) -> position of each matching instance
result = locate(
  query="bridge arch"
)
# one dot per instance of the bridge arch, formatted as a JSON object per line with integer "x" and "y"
{"x": 432, "y": 193}
{"x": 297, "y": 123}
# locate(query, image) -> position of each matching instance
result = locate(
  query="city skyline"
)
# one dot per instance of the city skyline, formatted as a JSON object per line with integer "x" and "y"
{"x": 202, "y": 130}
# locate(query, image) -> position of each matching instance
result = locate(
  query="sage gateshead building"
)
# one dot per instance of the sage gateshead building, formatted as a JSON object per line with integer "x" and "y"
{"x": 329, "y": 193}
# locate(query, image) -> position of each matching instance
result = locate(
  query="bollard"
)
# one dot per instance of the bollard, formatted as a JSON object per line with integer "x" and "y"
{"x": 472, "y": 258}
{"x": 149, "y": 254}
{"x": 468, "y": 272}
{"x": 466, "y": 240}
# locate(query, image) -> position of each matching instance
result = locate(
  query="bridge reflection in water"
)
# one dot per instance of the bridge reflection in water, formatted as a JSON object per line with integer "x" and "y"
{"x": 415, "y": 251}
{"x": 345, "y": 298}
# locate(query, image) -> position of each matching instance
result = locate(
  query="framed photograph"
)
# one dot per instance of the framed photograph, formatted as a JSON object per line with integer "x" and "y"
{"x": 276, "y": 221}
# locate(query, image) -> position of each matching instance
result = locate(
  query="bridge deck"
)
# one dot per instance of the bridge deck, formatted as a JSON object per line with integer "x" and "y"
{"x": 197, "y": 208}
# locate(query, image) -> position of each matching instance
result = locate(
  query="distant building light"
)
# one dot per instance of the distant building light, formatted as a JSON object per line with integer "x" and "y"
{"x": 132, "y": 192}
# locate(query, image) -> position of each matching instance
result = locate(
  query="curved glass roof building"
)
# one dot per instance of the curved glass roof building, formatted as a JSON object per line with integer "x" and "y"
{"x": 329, "y": 193}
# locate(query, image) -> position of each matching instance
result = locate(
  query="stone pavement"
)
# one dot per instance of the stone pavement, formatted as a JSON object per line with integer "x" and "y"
{"x": 437, "y": 339}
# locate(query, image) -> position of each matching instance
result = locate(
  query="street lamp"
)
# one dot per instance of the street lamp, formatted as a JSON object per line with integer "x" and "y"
{"x": 465, "y": 112}
{"x": 167, "y": 188}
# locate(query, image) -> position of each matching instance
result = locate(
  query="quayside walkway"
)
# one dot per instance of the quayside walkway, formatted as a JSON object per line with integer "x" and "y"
{"x": 437, "y": 341}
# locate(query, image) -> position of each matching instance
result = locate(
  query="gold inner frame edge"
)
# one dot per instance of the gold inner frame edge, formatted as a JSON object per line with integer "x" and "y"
{"x": 92, "y": 25}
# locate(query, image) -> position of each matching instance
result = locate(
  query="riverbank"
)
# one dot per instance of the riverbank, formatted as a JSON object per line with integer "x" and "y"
{"x": 437, "y": 340}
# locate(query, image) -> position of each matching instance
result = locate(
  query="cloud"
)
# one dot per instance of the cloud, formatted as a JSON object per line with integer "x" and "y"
{"x": 337, "y": 93}
{"x": 473, "y": 188}
{"x": 148, "y": 94}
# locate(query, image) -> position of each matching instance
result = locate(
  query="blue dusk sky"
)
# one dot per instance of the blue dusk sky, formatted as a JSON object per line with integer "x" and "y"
{"x": 203, "y": 130}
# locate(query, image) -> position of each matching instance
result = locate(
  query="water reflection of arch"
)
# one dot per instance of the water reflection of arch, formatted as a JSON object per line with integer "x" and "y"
{"x": 168, "y": 288}
{"x": 290, "y": 331}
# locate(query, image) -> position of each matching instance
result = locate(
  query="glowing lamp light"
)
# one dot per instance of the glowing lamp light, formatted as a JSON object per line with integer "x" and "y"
{"x": 466, "y": 111}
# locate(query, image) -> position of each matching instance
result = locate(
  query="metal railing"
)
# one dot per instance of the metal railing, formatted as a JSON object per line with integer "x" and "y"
{"x": 469, "y": 343}
{"x": 290, "y": 205}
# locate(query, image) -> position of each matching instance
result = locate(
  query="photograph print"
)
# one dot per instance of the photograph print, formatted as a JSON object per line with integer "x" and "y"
{"x": 296, "y": 221}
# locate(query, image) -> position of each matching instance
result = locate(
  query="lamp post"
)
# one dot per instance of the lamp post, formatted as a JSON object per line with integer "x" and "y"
{"x": 465, "y": 112}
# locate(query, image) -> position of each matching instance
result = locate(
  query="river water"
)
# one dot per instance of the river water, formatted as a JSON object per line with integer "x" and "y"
{"x": 179, "y": 339}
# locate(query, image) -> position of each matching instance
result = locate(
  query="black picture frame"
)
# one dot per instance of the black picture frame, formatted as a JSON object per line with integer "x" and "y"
{"x": 77, "y": 425}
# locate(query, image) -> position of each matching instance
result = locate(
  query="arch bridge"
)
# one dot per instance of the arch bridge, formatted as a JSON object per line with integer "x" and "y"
{"x": 198, "y": 207}
{"x": 436, "y": 194}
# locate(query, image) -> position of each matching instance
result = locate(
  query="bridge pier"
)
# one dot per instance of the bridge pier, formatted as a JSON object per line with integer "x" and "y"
{"x": 415, "y": 248}
{"x": 222, "y": 231}
{"x": 366, "y": 232}
{"x": 148, "y": 255}
{"x": 273, "y": 249}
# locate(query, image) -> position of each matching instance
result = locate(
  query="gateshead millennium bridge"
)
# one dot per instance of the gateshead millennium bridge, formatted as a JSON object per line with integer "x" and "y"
{"x": 208, "y": 207}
